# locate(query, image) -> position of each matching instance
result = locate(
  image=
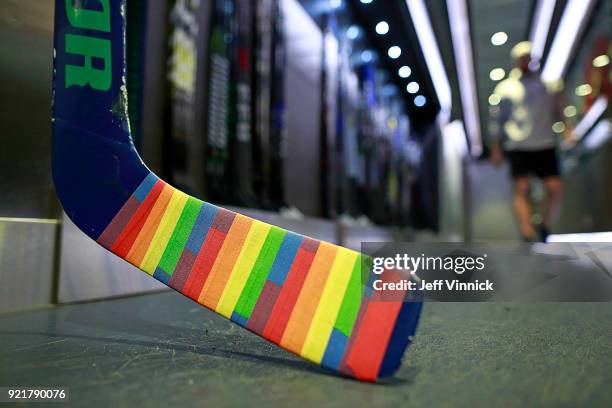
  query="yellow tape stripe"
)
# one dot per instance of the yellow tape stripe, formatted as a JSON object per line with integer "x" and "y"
{"x": 301, "y": 316}
{"x": 224, "y": 264}
{"x": 329, "y": 305}
{"x": 164, "y": 231}
{"x": 242, "y": 269}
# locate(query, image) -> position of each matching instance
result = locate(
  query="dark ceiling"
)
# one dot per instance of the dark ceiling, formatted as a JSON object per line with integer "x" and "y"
{"x": 401, "y": 33}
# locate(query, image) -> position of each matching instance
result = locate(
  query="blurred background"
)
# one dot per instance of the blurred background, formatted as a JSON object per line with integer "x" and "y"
{"x": 347, "y": 120}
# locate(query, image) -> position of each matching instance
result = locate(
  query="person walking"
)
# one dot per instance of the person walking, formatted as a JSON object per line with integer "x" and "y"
{"x": 523, "y": 133}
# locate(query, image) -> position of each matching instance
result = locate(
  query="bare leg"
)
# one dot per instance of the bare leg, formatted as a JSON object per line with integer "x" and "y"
{"x": 554, "y": 191}
{"x": 522, "y": 208}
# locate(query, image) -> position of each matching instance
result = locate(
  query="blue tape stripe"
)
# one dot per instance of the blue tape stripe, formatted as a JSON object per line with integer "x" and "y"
{"x": 284, "y": 258}
{"x": 145, "y": 187}
{"x": 161, "y": 276}
{"x": 202, "y": 224}
{"x": 335, "y": 350}
{"x": 238, "y": 318}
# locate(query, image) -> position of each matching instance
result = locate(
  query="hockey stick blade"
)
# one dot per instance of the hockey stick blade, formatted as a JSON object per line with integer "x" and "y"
{"x": 305, "y": 295}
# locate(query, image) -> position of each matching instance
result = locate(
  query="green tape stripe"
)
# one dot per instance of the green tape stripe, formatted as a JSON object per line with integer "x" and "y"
{"x": 259, "y": 273}
{"x": 352, "y": 300}
{"x": 179, "y": 237}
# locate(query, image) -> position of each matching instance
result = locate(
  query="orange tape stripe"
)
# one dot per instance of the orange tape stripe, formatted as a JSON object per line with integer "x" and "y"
{"x": 308, "y": 300}
{"x": 139, "y": 249}
{"x": 224, "y": 264}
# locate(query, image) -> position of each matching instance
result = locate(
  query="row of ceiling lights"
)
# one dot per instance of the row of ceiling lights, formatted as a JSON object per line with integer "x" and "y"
{"x": 497, "y": 74}
{"x": 585, "y": 89}
{"x": 497, "y": 39}
{"x": 394, "y": 52}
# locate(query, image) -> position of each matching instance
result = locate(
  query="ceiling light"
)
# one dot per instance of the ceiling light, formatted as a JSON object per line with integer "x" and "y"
{"x": 404, "y": 72}
{"x": 433, "y": 58}
{"x": 494, "y": 99}
{"x": 394, "y": 52}
{"x": 382, "y": 28}
{"x": 499, "y": 38}
{"x": 412, "y": 87}
{"x": 601, "y": 61}
{"x": 584, "y": 90}
{"x": 366, "y": 1}
{"x": 573, "y": 20}
{"x": 420, "y": 100}
{"x": 335, "y": 3}
{"x": 540, "y": 28}
{"x": 352, "y": 32}
{"x": 464, "y": 57}
{"x": 558, "y": 127}
{"x": 569, "y": 111}
{"x": 590, "y": 117}
{"x": 497, "y": 74}
{"x": 599, "y": 135}
{"x": 366, "y": 56}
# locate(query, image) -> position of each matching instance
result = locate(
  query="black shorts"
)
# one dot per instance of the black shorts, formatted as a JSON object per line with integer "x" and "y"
{"x": 541, "y": 163}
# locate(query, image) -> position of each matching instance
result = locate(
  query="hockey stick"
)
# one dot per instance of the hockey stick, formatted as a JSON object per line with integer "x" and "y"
{"x": 305, "y": 295}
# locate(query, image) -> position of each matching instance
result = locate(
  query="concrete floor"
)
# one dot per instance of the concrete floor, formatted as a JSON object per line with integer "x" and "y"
{"x": 163, "y": 349}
